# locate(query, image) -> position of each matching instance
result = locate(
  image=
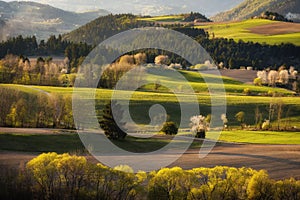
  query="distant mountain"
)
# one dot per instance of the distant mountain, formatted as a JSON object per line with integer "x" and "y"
{"x": 29, "y": 18}
{"x": 165, "y": 7}
{"x": 249, "y": 8}
{"x": 146, "y": 7}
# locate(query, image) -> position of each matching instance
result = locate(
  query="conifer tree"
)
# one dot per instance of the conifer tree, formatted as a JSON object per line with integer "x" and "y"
{"x": 111, "y": 122}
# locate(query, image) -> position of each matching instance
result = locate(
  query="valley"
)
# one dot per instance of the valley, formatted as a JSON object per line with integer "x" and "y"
{"x": 181, "y": 100}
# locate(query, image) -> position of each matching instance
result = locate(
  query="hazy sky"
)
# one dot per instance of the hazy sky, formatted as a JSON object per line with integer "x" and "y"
{"x": 145, "y": 7}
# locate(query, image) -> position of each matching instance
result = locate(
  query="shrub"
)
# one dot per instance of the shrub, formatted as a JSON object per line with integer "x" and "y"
{"x": 240, "y": 117}
{"x": 247, "y": 91}
{"x": 170, "y": 128}
{"x": 266, "y": 125}
{"x": 257, "y": 82}
{"x": 271, "y": 93}
{"x": 201, "y": 134}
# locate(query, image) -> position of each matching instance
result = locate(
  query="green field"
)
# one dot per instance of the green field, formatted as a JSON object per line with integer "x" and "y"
{"x": 71, "y": 142}
{"x": 260, "y": 137}
{"x": 59, "y": 143}
{"x": 165, "y": 18}
{"x": 240, "y": 31}
{"x": 200, "y": 83}
{"x": 143, "y": 99}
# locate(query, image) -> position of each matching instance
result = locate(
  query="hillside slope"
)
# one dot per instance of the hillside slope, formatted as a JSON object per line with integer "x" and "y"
{"x": 255, "y": 30}
{"x": 29, "y": 18}
{"x": 249, "y": 8}
{"x": 104, "y": 27}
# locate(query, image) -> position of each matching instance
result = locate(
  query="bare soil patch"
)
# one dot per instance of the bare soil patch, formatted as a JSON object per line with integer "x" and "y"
{"x": 276, "y": 28}
{"x": 245, "y": 76}
{"x": 281, "y": 161}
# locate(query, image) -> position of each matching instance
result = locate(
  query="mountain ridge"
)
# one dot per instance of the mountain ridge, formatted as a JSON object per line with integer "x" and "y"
{"x": 41, "y": 20}
{"x": 249, "y": 8}
{"x": 145, "y": 7}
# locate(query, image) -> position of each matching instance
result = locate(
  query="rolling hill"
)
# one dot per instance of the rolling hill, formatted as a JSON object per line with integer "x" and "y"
{"x": 29, "y": 18}
{"x": 182, "y": 18}
{"x": 249, "y": 8}
{"x": 255, "y": 30}
{"x": 104, "y": 27}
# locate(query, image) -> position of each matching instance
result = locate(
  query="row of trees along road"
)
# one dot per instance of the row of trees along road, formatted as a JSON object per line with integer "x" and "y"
{"x": 53, "y": 176}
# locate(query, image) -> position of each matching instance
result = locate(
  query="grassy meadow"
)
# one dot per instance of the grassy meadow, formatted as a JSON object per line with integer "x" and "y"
{"x": 59, "y": 143}
{"x": 145, "y": 97}
{"x": 260, "y": 137}
{"x": 236, "y": 101}
{"x": 71, "y": 143}
{"x": 241, "y": 30}
{"x": 165, "y": 18}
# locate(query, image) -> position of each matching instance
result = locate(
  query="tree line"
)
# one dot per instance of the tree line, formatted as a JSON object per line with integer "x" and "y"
{"x": 65, "y": 176}
{"x": 80, "y": 42}
{"x": 54, "y": 46}
{"x": 38, "y": 110}
{"x": 233, "y": 54}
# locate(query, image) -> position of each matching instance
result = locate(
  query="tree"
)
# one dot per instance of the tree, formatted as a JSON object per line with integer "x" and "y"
{"x": 199, "y": 126}
{"x": 272, "y": 78}
{"x": 283, "y": 77}
{"x": 169, "y": 184}
{"x": 279, "y": 112}
{"x": 258, "y": 118}
{"x": 225, "y": 120}
{"x": 260, "y": 187}
{"x": 161, "y": 60}
{"x": 58, "y": 107}
{"x": 288, "y": 189}
{"x": 240, "y": 117}
{"x": 170, "y": 128}
{"x": 111, "y": 122}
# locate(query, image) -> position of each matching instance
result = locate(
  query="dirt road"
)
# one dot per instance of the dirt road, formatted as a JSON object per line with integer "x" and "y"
{"x": 281, "y": 161}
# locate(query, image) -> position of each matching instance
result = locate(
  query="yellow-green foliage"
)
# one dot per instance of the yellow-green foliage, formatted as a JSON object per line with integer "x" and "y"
{"x": 67, "y": 176}
{"x": 64, "y": 176}
{"x": 168, "y": 183}
{"x": 287, "y": 189}
{"x": 257, "y": 82}
{"x": 260, "y": 187}
{"x": 166, "y": 18}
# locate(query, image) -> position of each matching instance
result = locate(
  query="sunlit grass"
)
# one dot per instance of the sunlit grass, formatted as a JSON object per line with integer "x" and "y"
{"x": 166, "y": 18}
{"x": 260, "y": 137}
{"x": 59, "y": 143}
{"x": 240, "y": 31}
